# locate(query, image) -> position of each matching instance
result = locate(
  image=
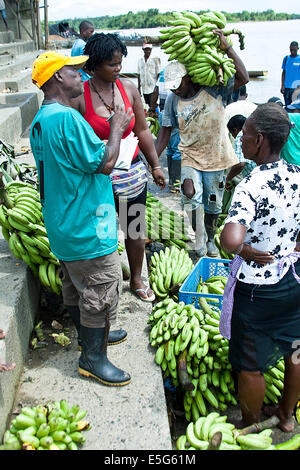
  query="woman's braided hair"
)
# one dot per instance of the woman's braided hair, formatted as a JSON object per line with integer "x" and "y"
{"x": 273, "y": 121}
{"x": 101, "y": 47}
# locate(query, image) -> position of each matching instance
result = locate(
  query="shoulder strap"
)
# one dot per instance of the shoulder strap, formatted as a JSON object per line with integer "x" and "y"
{"x": 123, "y": 94}
{"x": 88, "y": 99}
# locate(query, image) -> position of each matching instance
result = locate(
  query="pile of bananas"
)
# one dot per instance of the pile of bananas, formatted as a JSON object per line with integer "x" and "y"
{"x": 22, "y": 224}
{"x": 190, "y": 39}
{"x": 163, "y": 224}
{"x": 199, "y": 434}
{"x": 180, "y": 331}
{"x": 153, "y": 125}
{"x": 168, "y": 270}
{"x": 55, "y": 426}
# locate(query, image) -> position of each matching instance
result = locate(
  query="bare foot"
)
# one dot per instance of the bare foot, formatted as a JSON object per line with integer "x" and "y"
{"x": 286, "y": 424}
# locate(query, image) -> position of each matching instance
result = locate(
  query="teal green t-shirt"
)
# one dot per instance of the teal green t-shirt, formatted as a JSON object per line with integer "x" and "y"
{"x": 78, "y": 204}
{"x": 290, "y": 152}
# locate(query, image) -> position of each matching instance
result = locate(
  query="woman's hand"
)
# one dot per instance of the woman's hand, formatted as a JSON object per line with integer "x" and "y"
{"x": 252, "y": 254}
{"x": 159, "y": 178}
{"x": 232, "y": 241}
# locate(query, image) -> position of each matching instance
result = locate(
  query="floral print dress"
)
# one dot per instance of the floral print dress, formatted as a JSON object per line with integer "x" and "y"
{"x": 267, "y": 202}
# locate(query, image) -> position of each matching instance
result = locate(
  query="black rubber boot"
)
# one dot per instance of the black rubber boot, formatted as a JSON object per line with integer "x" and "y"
{"x": 74, "y": 313}
{"x": 93, "y": 361}
{"x": 114, "y": 337}
{"x": 176, "y": 170}
{"x": 210, "y": 222}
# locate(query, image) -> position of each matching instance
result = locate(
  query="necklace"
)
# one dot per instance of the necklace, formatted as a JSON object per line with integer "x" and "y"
{"x": 111, "y": 107}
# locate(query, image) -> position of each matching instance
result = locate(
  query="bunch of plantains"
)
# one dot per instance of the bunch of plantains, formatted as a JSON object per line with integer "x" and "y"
{"x": 168, "y": 270}
{"x": 55, "y": 426}
{"x": 193, "y": 353}
{"x": 163, "y": 224}
{"x": 153, "y": 124}
{"x": 199, "y": 435}
{"x": 22, "y": 225}
{"x": 221, "y": 222}
{"x": 191, "y": 40}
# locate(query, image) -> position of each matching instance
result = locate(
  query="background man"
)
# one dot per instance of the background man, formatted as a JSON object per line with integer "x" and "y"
{"x": 3, "y": 13}
{"x": 290, "y": 77}
{"x": 148, "y": 72}
{"x": 86, "y": 30}
{"x": 78, "y": 206}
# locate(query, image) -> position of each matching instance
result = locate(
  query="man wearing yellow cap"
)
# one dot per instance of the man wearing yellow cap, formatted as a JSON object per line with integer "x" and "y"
{"x": 73, "y": 166}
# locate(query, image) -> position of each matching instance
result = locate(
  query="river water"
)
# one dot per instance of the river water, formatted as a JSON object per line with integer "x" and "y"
{"x": 266, "y": 43}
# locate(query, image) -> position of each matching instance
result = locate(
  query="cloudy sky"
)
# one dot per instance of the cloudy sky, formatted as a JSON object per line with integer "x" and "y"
{"x": 59, "y": 10}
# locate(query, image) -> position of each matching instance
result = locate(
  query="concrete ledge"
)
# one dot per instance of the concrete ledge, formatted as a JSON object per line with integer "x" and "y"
{"x": 18, "y": 65}
{"x": 17, "y": 112}
{"x": 7, "y": 36}
{"x": 19, "y": 297}
{"x": 18, "y": 48}
{"x": 19, "y": 82}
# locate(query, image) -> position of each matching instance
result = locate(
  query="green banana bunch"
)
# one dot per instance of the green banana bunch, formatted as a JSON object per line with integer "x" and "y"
{"x": 163, "y": 224}
{"x": 199, "y": 433}
{"x": 191, "y": 40}
{"x": 212, "y": 285}
{"x": 177, "y": 328}
{"x": 168, "y": 270}
{"x": 55, "y": 426}
{"x": 22, "y": 225}
{"x": 274, "y": 378}
{"x": 220, "y": 227}
{"x": 153, "y": 125}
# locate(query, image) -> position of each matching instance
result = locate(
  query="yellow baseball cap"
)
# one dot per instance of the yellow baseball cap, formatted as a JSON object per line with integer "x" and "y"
{"x": 46, "y": 64}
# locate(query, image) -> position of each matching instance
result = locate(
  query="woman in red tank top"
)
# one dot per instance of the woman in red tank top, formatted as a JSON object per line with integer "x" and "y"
{"x": 101, "y": 94}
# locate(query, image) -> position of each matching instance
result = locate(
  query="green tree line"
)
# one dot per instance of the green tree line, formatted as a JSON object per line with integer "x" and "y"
{"x": 152, "y": 18}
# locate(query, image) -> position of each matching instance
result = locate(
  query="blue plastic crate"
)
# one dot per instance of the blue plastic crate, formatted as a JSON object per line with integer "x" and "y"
{"x": 205, "y": 268}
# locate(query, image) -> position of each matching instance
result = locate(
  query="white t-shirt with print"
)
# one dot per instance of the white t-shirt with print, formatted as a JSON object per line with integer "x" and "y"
{"x": 267, "y": 202}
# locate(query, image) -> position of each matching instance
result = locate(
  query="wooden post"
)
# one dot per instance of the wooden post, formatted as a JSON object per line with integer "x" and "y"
{"x": 46, "y": 26}
{"x": 38, "y": 23}
{"x": 33, "y": 26}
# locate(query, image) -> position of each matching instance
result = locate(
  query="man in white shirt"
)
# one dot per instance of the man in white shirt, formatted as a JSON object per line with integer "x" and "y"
{"x": 148, "y": 70}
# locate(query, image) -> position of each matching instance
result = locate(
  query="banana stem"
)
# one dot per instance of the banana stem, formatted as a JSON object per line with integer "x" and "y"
{"x": 240, "y": 35}
{"x": 183, "y": 373}
{"x": 258, "y": 427}
{"x": 5, "y": 199}
{"x": 220, "y": 76}
{"x": 215, "y": 441}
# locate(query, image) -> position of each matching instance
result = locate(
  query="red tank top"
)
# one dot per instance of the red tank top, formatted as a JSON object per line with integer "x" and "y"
{"x": 99, "y": 124}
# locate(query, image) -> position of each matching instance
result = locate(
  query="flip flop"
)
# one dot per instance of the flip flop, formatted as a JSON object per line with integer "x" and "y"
{"x": 144, "y": 291}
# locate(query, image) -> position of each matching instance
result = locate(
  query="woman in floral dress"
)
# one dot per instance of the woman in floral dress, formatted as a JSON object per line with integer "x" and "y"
{"x": 261, "y": 229}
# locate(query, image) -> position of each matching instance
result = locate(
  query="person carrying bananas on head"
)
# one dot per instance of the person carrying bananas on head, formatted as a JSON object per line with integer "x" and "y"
{"x": 206, "y": 150}
{"x": 73, "y": 167}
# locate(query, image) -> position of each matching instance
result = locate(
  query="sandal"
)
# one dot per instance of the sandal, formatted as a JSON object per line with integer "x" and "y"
{"x": 145, "y": 291}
